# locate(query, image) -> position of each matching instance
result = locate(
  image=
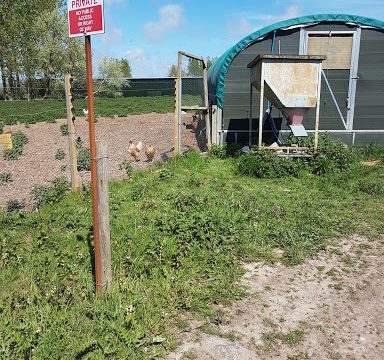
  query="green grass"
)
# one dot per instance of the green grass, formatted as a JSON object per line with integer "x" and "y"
{"x": 179, "y": 233}
{"x": 29, "y": 112}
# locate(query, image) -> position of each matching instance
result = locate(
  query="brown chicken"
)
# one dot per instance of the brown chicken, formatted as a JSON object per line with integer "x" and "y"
{"x": 134, "y": 150}
{"x": 150, "y": 152}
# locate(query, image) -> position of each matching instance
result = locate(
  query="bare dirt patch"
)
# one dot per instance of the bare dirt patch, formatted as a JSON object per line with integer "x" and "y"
{"x": 331, "y": 307}
{"x": 38, "y": 166}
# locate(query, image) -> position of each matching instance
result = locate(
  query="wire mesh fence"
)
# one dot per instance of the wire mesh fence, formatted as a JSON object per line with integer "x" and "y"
{"x": 139, "y": 87}
{"x": 134, "y": 96}
{"x": 192, "y": 91}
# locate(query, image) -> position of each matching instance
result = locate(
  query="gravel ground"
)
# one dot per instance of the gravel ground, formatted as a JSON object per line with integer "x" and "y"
{"x": 38, "y": 166}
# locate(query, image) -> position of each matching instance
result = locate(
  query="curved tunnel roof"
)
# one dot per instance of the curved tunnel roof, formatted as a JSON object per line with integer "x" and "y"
{"x": 218, "y": 71}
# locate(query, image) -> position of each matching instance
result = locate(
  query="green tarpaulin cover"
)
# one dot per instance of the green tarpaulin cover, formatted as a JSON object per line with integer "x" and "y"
{"x": 218, "y": 71}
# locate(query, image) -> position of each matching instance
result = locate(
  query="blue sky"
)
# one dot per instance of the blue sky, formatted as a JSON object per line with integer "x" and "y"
{"x": 150, "y": 32}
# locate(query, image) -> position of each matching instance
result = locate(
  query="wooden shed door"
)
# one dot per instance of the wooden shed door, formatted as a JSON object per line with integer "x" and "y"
{"x": 339, "y": 71}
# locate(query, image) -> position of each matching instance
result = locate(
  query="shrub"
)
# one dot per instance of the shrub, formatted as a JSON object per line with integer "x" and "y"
{"x": 5, "y": 178}
{"x": 49, "y": 194}
{"x": 64, "y": 129}
{"x": 60, "y": 154}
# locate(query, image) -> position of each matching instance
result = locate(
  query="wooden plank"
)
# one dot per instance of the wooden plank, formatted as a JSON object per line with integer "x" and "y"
{"x": 71, "y": 134}
{"x": 5, "y": 141}
{"x": 206, "y": 104}
{"x": 191, "y": 56}
{"x": 261, "y": 107}
{"x": 338, "y": 50}
{"x": 194, "y": 107}
{"x": 214, "y": 125}
{"x": 103, "y": 214}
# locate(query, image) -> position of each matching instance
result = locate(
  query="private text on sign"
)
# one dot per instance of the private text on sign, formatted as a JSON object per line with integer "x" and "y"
{"x": 85, "y": 17}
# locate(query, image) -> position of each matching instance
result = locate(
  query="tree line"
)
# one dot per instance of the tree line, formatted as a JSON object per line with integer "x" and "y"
{"x": 36, "y": 52}
{"x": 194, "y": 68}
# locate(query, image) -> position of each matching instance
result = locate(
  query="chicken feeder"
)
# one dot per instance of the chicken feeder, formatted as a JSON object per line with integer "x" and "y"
{"x": 292, "y": 84}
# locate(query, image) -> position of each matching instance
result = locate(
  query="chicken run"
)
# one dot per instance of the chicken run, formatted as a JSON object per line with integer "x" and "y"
{"x": 38, "y": 166}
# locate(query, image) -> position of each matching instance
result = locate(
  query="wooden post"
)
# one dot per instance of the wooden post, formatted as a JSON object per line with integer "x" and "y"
{"x": 206, "y": 104}
{"x": 250, "y": 116}
{"x": 214, "y": 125}
{"x": 176, "y": 122}
{"x": 318, "y": 108}
{"x": 261, "y": 112}
{"x": 71, "y": 134}
{"x": 179, "y": 91}
{"x": 177, "y": 127}
{"x": 103, "y": 213}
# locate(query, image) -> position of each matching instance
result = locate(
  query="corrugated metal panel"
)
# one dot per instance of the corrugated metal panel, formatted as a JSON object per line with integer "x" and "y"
{"x": 369, "y": 108}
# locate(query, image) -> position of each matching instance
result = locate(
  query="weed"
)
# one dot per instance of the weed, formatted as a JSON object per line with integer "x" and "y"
{"x": 60, "y": 154}
{"x": 336, "y": 286}
{"x": 264, "y": 164}
{"x": 299, "y": 356}
{"x": 230, "y": 335}
{"x": 14, "y": 205}
{"x": 189, "y": 355}
{"x": 19, "y": 139}
{"x": 269, "y": 322}
{"x": 222, "y": 152}
{"x": 183, "y": 325}
{"x": 83, "y": 159}
{"x": 371, "y": 188}
{"x": 291, "y": 338}
{"x": 127, "y": 166}
{"x": 5, "y": 177}
{"x": 294, "y": 337}
{"x": 218, "y": 151}
{"x": 49, "y": 194}
{"x": 63, "y": 168}
{"x": 64, "y": 129}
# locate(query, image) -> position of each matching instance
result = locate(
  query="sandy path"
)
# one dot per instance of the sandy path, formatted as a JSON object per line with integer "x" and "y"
{"x": 331, "y": 307}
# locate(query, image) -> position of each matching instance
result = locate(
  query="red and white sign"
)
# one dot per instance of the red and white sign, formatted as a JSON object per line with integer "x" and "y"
{"x": 85, "y": 17}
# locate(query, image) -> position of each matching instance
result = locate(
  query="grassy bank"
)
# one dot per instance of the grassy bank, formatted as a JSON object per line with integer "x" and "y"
{"x": 180, "y": 232}
{"x": 29, "y": 112}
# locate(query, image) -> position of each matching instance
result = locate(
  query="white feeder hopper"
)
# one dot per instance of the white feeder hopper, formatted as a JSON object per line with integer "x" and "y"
{"x": 291, "y": 83}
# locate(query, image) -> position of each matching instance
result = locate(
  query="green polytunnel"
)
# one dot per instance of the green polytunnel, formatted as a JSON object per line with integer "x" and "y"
{"x": 218, "y": 71}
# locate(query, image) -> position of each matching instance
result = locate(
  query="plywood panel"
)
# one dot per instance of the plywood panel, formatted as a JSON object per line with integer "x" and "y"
{"x": 338, "y": 50}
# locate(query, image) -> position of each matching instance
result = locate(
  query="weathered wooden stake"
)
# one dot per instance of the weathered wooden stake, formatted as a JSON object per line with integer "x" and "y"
{"x": 71, "y": 134}
{"x": 103, "y": 214}
{"x": 206, "y": 105}
{"x": 176, "y": 121}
